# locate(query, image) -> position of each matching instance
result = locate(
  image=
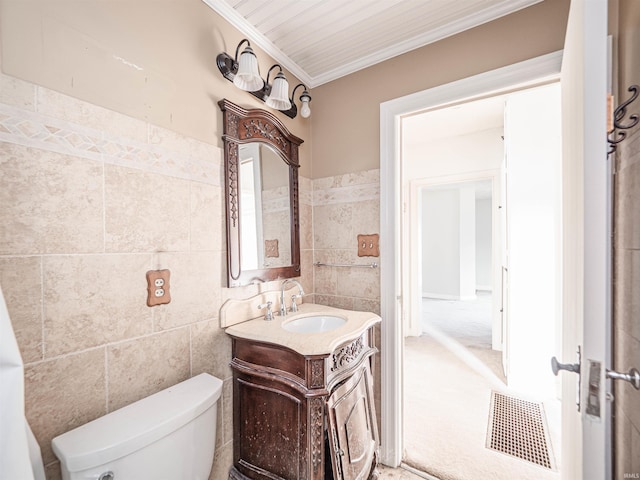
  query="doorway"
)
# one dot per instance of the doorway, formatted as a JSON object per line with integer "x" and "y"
{"x": 463, "y": 238}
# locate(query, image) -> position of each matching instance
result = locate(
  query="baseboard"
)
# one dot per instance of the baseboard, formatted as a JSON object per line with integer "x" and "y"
{"x": 444, "y": 296}
{"x": 484, "y": 288}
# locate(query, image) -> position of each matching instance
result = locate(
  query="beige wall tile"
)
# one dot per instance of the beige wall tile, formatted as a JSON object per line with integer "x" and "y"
{"x": 335, "y": 301}
{"x": 635, "y": 450}
{"x": 145, "y": 211}
{"x": 306, "y": 227}
{"x": 332, "y": 226}
{"x": 622, "y": 429}
{"x": 141, "y": 367}
{"x": 64, "y": 393}
{"x": 306, "y": 268}
{"x": 210, "y": 350}
{"x": 17, "y": 93}
{"x": 626, "y": 295}
{"x": 628, "y": 183}
{"x": 21, "y": 281}
{"x": 227, "y": 409}
{"x": 219, "y": 417}
{"x": 359, "y": 282}
{"x": 366, "y": 220}
{"x": 207, "y": 218}
{"x": 195, "y": 291}
{"x": 326, "y": 278}
{"x": 91, "y": 300}
{"x": 52, "y": 471}
{"x": 51, "y": 203}
{"x": 627, "y": 398}
{"x": 222, "y": 462}
{"x": 366, "y": 305}
{"x": 64, "y": 107}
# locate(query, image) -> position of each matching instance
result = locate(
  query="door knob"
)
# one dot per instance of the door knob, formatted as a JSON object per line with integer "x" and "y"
{"x": 556, "y": 366}
{"x": 633, "y": 377}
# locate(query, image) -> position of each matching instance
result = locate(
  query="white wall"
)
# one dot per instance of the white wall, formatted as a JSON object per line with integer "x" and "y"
{"x": 467, "y": 242}
{"x": 440, "y": 248}
{"x": 474, "y": 152}
{"x": 483, "y": 244}
{"x": 448, "y": 232}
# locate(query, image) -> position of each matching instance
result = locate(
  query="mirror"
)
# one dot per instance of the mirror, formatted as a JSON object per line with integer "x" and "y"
{"x": 265, "y": 209}
{"x": 261, "y": 190}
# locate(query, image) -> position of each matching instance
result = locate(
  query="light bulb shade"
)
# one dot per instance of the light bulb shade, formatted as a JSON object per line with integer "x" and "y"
{"x": 305, "y": 110}
{"x": 279, "y": 96}
{"x": 248, "y": 76}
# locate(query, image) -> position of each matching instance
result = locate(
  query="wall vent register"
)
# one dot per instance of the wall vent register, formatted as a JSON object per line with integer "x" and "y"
{"x": 519, "y": 428}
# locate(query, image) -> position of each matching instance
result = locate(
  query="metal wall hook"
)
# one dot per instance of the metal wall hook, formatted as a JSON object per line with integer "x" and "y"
{"x": 616, "y": 136}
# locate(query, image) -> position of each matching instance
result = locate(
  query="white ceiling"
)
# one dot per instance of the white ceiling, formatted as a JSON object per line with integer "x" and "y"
{"x": 322, "y": 40}
{"x": 454, "y": 121}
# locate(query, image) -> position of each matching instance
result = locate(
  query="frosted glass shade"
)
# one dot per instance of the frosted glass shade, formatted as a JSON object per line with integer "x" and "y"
{"x": 248, "y": 76}
{"x": 279, "y": 97}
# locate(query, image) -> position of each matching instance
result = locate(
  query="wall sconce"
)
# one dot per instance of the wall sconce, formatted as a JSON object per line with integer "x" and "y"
{"x": 245, "y": 75}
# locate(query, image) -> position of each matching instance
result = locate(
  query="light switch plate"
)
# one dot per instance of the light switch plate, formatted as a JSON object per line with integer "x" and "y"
{"x": 368, "y": 245}
{"x": 158, "y": 291}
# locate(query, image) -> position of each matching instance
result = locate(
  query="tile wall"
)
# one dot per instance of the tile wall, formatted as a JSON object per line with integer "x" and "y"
{"x": 626, "y": 309}
{"x": 92, "y": 200}
{"x": 345, "y": 206}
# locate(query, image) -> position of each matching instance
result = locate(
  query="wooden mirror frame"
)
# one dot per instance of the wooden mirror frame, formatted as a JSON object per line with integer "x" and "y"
{"x": 257, "y": 125}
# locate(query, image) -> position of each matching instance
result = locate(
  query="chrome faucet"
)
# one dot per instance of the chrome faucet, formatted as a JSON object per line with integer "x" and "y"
{"x": 283, "y": 307}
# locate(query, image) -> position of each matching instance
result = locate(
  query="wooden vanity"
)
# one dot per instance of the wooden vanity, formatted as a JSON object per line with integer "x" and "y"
{"x": 304, "y": 416}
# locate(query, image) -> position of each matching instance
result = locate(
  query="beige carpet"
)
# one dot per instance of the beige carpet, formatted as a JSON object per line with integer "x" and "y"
{"x": 447, "y": 399}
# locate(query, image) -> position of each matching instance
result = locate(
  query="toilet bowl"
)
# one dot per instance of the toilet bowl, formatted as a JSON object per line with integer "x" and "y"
{"x": 167, "y": 436}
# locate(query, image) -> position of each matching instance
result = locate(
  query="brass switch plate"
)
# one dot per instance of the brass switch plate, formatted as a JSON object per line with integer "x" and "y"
{"x": 158, "y": 291}
{"x": 369, "y": 245}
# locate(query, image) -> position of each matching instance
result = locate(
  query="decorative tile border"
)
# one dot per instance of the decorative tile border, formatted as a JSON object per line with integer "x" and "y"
{"x": 350, "y": 194}
{"x": 33, "y": 129}
{"x": 348, "y": 188}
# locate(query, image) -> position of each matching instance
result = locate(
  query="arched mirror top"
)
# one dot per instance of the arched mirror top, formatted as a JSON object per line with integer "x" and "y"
{"x": 257, "y": 125}
{"x": 263, "y": 239}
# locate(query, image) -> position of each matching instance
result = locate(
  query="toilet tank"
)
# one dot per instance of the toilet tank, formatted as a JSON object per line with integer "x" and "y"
{"x": 170, "y": 435}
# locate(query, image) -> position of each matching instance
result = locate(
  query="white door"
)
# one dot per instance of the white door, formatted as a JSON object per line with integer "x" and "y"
{"x": 586, "y": 245}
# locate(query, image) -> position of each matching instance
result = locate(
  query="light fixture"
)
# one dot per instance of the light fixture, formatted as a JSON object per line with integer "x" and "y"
{"x": 243, "y": 73}
{"x": 278, "y": 97}
{"x": 305, "y": 98}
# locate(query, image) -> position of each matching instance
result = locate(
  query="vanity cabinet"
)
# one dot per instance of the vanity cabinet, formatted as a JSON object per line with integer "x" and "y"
{"x": 304, "y": 417}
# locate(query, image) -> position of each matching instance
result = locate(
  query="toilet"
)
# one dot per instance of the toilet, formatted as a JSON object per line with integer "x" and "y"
{"x": 170, "y": 435}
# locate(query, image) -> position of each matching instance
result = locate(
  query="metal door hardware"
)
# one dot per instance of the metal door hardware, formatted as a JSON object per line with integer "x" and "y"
{"x": 556, "y": 366}
{"x": 593, "y": 395}
{"x": 633, "y": 377}
{"x": 569, "y": 367}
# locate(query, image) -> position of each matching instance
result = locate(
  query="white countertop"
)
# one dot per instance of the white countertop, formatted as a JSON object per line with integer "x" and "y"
{"x": 306, "y": 343}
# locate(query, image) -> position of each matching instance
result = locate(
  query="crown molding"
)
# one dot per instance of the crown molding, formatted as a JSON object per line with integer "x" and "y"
{"x": 238, "y": 21}
{"x": 506, "y": 7}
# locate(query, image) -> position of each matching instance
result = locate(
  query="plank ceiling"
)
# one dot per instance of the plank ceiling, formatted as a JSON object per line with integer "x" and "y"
{"x": 322, "y": 40}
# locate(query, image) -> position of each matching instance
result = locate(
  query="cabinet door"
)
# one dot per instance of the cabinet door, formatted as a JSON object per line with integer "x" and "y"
{"x": 353, "y": 430}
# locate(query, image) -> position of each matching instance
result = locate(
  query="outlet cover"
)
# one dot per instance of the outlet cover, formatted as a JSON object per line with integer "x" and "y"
{"x": 369, "y": 245}
{"x": 158, "y": 291}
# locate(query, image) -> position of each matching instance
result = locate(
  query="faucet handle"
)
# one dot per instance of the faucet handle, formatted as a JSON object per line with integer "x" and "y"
{"x": 269, "y": 313}
{"x": 294, "y": 307}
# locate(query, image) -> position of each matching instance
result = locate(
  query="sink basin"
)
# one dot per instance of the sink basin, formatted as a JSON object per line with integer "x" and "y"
{"x": 314, "y": 324}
